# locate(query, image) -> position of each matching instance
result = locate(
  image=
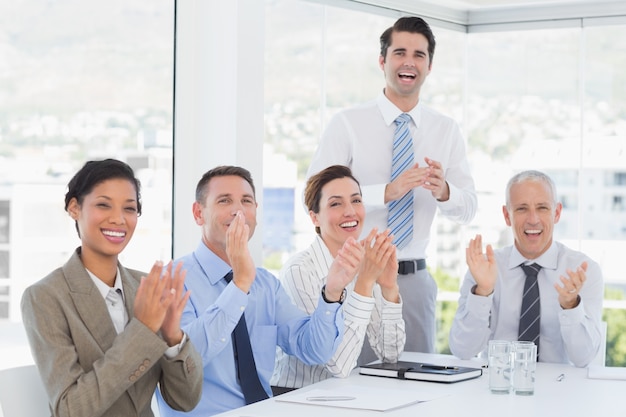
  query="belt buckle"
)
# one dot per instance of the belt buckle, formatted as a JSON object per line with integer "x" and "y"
{"x": 406, "y": 267}
{"x": 411, "y": 266}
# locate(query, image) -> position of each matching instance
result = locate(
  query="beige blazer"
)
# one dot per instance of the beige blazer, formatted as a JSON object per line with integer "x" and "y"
{"x": 86, "y": 367}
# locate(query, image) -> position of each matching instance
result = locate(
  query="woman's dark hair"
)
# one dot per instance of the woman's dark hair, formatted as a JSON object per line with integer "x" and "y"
{"x": 96, "y": 172}
{"x": 314, "y": 185}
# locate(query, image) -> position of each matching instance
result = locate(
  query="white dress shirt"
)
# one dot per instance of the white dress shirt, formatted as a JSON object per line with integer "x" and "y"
{"x": 303, "y": 277}
{"x": 362, "y": 138}
{"x": 114, "y": 299}
{"x": 571, "y": 335}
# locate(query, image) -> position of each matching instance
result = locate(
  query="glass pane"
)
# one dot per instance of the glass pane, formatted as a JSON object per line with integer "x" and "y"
{"x": 603, "y": 172}
{"x": 523, "y": 113}
{"x": 332, "y": 55}
{"x": 517, "y": 95}
{"x": 79, "y": 81}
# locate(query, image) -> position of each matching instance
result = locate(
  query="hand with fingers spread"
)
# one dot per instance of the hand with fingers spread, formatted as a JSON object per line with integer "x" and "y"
{"x": 436, "y": 181}
{"x": 170, "y": 329}
{"x": 238, "y": 252}
{"x": 153, "y": 298}
{"x": 482, "y": 266}
{"x": 570, "y": 288}
{"x": 344, "y": 268}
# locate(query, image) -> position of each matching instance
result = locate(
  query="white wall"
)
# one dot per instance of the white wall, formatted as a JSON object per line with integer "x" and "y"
{"x": 218, "y": 102}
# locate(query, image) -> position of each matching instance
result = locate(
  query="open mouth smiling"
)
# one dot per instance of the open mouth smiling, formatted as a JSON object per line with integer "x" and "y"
{"x": 113, "y": 233}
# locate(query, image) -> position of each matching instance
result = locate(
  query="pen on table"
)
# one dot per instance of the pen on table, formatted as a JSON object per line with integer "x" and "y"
{"x": 560, "y": 377}
{"x": 437, "y": 367}
{"x": 331, "y": 398}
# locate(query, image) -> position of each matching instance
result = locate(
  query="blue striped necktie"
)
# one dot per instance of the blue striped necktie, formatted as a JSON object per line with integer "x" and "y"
{"x": 400, "y": 219}
{"x": 530, "y": 317}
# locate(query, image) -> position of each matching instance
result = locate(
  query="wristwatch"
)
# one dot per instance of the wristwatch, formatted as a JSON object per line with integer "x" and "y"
{"x": 341, "y": 299}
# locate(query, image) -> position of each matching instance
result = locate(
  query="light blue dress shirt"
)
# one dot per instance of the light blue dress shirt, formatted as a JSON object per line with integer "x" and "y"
{"x": 213, "y": 311}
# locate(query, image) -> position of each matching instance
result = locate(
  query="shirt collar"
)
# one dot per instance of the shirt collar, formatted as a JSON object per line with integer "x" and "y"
{"x": 212, "y": 265}
{"x": 103, "y": 288}
{"x": 390, "y": 112}
{"x": 322, "y": 252}
{"x": 547, "y": 260}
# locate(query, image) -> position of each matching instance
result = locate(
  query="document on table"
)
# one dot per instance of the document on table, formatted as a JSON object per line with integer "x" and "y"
{"x": 363, "y": 398}
{"x": 606, "y": 372}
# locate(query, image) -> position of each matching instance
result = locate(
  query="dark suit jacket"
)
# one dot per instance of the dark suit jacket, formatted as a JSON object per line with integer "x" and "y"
{"x": 87, "y": 368}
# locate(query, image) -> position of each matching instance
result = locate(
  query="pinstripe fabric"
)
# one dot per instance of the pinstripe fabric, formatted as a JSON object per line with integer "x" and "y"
{"x": 530, "y": 317}
{"x": 400, "y": 218}
{"x": 303, "y": 277}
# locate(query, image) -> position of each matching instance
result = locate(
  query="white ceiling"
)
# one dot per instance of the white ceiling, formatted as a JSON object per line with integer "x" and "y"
{"x": 472, "y": 13}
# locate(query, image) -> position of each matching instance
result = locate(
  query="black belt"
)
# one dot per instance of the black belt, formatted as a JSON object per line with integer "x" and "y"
{"x": 411, "y": 266}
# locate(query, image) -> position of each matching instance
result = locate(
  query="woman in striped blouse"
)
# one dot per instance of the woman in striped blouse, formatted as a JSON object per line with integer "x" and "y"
{"x": 372, "y": 306}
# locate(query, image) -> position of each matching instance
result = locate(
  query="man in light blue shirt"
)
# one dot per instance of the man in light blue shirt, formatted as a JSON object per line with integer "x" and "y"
{"x": 225, "y": 208}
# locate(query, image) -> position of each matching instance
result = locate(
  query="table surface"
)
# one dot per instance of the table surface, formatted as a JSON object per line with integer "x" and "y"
{"x": 575, "y": 395}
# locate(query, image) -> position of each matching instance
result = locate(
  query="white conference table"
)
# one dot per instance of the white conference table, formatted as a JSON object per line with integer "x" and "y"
{"x": 576, "y": 395}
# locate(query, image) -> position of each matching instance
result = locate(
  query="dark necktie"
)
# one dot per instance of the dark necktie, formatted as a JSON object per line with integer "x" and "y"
{"x": 244, "y": 360}
{"x": 400, "y": 218}
{"x": 530, "y": 318}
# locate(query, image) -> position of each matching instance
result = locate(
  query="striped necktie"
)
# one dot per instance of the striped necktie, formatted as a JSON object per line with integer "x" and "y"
{"x": 247, "y": 374}
{"x": 400, "y": 218}
{"x": 530, "y": 317}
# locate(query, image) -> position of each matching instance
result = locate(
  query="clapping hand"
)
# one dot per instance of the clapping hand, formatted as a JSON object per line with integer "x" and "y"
{"x": 238, "y": 252}
{"x": 159, "y": 301}
{"x": 482, "y": 266}
{"x": 436, "y": 181}
{"x": 344, "y": 268}
{"x": 568, "y": 292}
{"x": 170, "y": 329}
{"x": 379, "y": 251}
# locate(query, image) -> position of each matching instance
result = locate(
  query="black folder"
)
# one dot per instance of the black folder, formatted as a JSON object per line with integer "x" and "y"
{"x": 421, "y": 371}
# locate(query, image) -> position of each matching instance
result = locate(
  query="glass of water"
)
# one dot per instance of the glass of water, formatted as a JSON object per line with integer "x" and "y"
{"x": 499, "y": 366}
{"x": 524, "y": 367}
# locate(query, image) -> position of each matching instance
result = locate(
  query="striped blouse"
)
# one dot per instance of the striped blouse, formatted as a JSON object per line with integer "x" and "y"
{"x": 303, "y": 276}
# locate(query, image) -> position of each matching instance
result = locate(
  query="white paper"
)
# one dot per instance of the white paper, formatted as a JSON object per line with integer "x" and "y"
{"x": 606, "y": 372}
{"x": 376, "y": 399}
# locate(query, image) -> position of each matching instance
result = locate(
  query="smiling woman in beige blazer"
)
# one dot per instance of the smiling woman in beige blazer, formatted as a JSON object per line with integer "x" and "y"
{"x": 103, "y": 335}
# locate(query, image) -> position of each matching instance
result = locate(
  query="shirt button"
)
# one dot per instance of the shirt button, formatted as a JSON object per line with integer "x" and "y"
{"x": 242, "y": 308}
{"x": 222, "y": 339}
{"x": 328, "y": 313}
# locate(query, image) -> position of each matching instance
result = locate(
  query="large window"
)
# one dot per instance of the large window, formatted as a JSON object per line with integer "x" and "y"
{"x": 79, "y": 80}
{"x": 549, "y": 99}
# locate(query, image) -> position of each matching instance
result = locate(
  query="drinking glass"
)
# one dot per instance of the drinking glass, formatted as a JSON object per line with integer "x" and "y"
{"x": 499, "y": 366}
{"x": 524, "y": 367}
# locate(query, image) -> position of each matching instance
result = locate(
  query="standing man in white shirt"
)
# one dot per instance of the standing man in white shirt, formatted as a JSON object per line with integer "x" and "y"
{"x": 438, "y": 177}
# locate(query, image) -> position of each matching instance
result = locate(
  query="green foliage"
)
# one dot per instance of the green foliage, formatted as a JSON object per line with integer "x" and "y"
{"x": 616, "y": 329}
{"x": 445, "y": 309}
{"x": 273, "y": 261}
